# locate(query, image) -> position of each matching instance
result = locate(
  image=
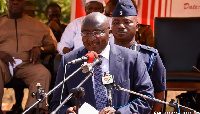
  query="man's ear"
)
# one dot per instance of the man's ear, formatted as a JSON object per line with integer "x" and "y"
{"x": 85, "y": 8}
{"x": 102, "y": 11}
{"x": 110, "y": 31}
{"x": 137, "y": 26}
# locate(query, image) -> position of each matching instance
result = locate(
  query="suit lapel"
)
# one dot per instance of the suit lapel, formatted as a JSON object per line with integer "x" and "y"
{"x": 115, "y": 61}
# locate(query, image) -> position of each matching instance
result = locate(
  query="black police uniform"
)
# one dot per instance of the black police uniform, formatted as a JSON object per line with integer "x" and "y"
{"x": 154, "y": 65}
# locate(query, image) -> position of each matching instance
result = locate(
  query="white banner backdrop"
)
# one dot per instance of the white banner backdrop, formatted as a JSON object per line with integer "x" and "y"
{"x": 185, "y": 8}
{"x": 149, "y": 9}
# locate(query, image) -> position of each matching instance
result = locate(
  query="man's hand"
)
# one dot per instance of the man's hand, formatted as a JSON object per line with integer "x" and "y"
{"x": 7, "y": 58}
{"x": 66, "y": 50}
{"x": 53, "y": 25}
{"x": 107, "y": 110}
{"x": 35, "y": 54}
{"x": 157, "y": 107}
{"x": 71, "y": 110}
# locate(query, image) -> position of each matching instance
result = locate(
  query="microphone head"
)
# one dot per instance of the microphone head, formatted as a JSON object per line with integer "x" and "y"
{"x": 91, "y": 55}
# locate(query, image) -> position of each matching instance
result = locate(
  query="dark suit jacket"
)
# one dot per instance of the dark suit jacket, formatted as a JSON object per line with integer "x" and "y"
{"x": 129, "y": 72}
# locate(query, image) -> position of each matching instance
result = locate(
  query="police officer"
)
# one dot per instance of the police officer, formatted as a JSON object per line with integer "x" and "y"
{"x": 124, "y": 25}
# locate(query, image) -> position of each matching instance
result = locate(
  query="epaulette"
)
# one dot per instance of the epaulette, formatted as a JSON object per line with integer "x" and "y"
{"x": 151, "y": 49}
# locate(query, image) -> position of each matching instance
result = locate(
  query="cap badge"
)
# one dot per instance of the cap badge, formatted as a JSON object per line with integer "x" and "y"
{"x": 120, "y": 12}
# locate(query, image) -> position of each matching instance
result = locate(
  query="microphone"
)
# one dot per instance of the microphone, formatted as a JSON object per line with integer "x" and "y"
{"x": 87, "y": 67}
{"x": 89, "y": 57}
{"x": 108, "y": 82}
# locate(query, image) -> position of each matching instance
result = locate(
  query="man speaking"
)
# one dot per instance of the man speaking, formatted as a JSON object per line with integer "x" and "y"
{"x": 126, "y": 65}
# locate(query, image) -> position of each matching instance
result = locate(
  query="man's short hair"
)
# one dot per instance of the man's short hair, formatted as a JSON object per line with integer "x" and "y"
{"x": 52, "y": 5}
{"x": 100, "y": 1}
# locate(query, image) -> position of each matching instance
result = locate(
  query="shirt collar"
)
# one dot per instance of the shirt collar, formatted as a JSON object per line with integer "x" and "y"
{"x": 105, "y": 53}
{"x": 134, "y": 43}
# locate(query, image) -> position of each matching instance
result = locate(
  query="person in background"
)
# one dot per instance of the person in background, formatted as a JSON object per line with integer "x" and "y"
{"x": 127, "y": 67}
{"x": 124, "y": 25}
{"x": 29, "y": 8}
{"x": 110, "y": 6}
{"x": 53, "y": 14}
{"x": 144, "y": 33}
{"x": 71, "y": 38}
{"x": 19, "y": 92}
{"x": 26, "y": 44}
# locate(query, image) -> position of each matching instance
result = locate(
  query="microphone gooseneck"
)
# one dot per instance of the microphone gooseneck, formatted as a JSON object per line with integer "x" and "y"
{"x": 97, "y": 61}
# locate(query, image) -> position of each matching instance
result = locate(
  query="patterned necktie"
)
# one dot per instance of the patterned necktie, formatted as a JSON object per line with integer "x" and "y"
{"x": 100, "y": 92}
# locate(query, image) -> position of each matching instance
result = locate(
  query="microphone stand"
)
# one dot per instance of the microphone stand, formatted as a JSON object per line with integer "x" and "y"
{"x": 109, "y": 87}
{"x": 171, "y": 103}
{"x": 86, "y": 68}
{"x": 70, "y": 95}
{"x": 39, "y": 96}
{"x": 44, "y": 95}
{"x": 78, "y": 93}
